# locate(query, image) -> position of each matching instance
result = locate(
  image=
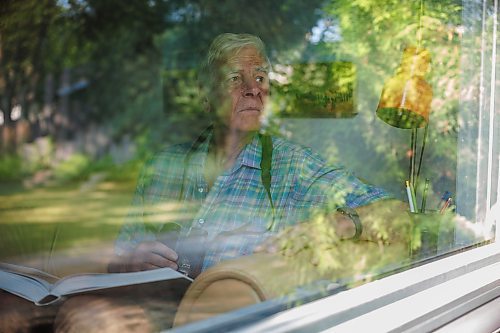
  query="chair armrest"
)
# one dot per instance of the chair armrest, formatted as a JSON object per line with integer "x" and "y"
{"x": 241, "y": 282}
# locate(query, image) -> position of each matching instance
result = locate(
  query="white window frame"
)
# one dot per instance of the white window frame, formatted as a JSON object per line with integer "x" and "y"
{"x": 421, "y": 299}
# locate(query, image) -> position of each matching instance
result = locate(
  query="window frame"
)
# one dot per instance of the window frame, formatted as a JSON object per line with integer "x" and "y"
{"x": 375, "y": 304}
{"x": 467, "y": 280}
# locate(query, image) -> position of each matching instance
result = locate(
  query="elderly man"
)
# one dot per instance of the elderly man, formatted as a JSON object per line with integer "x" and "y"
{"x": 224, "y": 195}
{"x": 241, "y": 186}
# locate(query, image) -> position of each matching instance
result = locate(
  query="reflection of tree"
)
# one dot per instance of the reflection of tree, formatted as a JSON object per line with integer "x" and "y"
{"x": 24, "y": 33}
{"x": 116, "y": 48}
{"x": 316, "y": 89}
{"x": 374, "y": 33}
{"x": 317, "y": 247}
{"x": 392, "y": 239}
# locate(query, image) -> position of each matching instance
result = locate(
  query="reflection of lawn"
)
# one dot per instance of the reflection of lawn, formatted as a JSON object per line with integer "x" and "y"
{"x": 58, "y": 218}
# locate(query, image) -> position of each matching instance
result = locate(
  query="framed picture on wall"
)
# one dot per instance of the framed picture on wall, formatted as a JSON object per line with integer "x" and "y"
{"x": 315, "y": 90}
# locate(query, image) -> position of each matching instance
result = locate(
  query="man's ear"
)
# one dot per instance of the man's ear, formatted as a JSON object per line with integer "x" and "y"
{"x": 203, "y": 93}
{"x": 207, "y": 105}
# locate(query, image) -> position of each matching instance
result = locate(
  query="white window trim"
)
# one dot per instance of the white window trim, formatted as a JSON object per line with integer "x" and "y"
{"x": 420, "y": 299}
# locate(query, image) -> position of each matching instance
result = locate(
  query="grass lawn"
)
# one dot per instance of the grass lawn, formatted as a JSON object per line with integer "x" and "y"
{"x": 34, "y": 222}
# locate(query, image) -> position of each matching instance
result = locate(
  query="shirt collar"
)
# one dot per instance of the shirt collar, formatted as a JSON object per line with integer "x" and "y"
{"x": 250, "y": 156}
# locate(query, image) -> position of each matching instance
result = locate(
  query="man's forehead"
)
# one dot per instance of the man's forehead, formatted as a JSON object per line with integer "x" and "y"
{"x": 247, "y": 57}
{"x": 235, "y": 68}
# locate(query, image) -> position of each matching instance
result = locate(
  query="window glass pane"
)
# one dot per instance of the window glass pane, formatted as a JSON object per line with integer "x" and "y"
{"x": 263, "y": 149}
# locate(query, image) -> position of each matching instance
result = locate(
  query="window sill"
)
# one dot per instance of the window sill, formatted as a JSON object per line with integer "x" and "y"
{"x": 420, "y": 299}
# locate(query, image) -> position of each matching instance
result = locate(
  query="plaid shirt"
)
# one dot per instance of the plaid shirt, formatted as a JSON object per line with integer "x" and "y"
{"x": 236, "y": 212}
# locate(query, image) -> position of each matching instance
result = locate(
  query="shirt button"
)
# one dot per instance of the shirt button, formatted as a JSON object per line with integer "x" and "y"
{"x": 200, "y": 189}
{"x": 201, "y": 221}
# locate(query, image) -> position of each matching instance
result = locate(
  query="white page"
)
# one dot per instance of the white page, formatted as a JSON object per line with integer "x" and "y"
{"x": 23, "y": 286}
{"x": 30, "y": 272}
{"x": 78, "y": 283}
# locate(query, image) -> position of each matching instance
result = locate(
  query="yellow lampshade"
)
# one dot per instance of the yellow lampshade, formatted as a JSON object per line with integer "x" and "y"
{"x": 406, "y": 97}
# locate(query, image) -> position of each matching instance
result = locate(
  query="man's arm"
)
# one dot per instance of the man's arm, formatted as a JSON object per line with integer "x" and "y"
{"x": 324, "y": 240}
{"x": 137, "y": 247}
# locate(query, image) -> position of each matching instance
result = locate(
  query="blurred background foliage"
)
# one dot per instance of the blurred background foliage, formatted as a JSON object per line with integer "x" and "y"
{"x": 95, "y": 87}
{"x": 127, "y": 70}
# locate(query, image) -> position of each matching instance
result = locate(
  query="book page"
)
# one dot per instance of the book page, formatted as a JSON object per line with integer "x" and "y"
{"x": 23, "y": 286}
{"x": 48, "y": 279}
{"x": 80, "y": 283}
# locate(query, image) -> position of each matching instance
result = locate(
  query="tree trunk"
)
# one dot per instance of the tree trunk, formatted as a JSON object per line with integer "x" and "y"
{"x": 8, "y": 134}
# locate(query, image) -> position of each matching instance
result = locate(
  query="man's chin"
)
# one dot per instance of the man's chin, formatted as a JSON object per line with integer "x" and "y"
{"x": 247, "y": 124}
{"x": 248, "y": 127}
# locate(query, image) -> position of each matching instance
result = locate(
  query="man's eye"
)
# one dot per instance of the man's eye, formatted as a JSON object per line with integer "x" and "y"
{"x": 233, "y": 79}
{"x": 260, "y": 79}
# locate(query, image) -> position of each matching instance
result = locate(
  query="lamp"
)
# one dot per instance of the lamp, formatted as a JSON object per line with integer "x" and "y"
{"x": 406, "y": 97}
{"x": 405, "y": 101}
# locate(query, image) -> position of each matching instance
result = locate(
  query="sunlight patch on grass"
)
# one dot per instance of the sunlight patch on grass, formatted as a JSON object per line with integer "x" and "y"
{"x": 61, "y": 218}
{"x": 67, "y": 205}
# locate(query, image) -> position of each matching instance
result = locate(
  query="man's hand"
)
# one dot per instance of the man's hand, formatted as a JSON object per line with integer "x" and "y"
{"x": 146, "y": 256}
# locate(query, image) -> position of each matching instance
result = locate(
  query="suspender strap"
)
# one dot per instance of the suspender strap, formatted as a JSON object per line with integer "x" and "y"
{"x": 265, "y": 167}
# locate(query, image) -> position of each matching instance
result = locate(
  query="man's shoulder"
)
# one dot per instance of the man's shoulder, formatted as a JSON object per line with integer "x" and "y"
{"x": 284, "y": 148}
{"x": 171, "y": 156}
{"x": 304, "y": 162}
{"x": 176, "y": 149}
{"x": 172, "y": 151}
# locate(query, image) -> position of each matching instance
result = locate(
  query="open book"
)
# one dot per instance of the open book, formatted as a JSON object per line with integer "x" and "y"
{"x": 42, "y": 288}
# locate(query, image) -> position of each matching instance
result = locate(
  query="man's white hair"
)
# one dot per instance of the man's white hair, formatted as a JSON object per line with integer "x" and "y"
{"x": 223, "y": 46}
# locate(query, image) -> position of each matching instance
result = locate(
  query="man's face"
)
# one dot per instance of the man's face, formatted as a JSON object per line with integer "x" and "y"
{"x": 242, "y": 90}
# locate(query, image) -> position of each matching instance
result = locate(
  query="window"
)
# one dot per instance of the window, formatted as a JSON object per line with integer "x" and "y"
{"x": 310, "y": 166}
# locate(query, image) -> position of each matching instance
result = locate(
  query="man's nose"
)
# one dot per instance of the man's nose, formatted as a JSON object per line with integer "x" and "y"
{"x": 250, "y": 88}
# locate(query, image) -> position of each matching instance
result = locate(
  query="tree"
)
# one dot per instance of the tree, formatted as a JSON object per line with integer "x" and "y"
{"x": 24, "y": 29}
{"x": 373, "y": 34}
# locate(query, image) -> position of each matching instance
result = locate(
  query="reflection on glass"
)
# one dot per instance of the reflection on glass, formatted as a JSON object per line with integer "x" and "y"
{"x": 236, "y": 166}
{"x": 316, "y": 89}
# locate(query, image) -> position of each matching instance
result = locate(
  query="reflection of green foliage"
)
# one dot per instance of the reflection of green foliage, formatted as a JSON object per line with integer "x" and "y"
{"x": 38, "y": 155}
{"x": 182, "y": 105}
{"x": 10, "y": 168}
{"x": 315, "y": 244}
{"x": 391, "y": 237}
{"x": 426, "y": 230}
{"x": 317, "y": 89}
{"x": 72, "y": 168}
{"x": 127, "y": 172}
{"x": 79, "y": 167}
{"x": 373, "y": 34}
